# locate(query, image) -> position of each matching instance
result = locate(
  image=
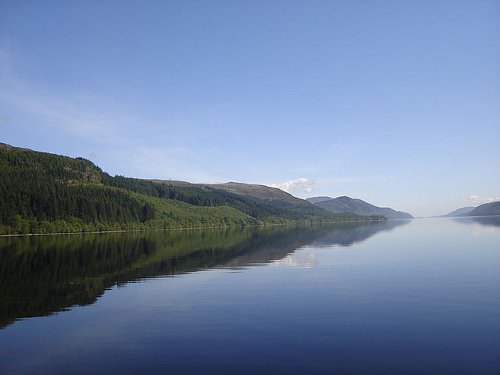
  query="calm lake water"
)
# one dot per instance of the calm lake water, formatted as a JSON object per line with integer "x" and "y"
{"x": 419, "y": 297}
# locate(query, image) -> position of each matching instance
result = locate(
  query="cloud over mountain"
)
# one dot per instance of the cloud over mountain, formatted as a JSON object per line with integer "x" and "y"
{"x": 299, "y": 185}
{"x": 476, "y": 200}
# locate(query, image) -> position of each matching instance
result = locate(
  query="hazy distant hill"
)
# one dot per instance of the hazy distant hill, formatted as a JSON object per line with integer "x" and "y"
{"x": 487, "y": 209}
{"x": 356, "y": 206}
{"x": 464, "y": 211}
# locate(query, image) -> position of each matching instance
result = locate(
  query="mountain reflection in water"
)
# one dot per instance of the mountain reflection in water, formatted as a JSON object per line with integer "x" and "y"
{"x": 41, "y": 275}
{"x": 491, "y": 221}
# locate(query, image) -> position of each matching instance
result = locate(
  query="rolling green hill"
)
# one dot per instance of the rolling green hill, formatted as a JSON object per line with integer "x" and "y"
{"x": 44, "y": 193}
{"x": 356, "y": 206}
{"x": 270, "y": 195}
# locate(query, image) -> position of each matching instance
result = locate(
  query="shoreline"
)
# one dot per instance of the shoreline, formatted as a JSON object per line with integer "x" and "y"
{"x": 188, "y": 228}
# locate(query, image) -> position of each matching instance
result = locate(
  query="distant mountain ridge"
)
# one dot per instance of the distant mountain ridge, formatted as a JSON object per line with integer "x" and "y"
{"x": 487, "y": 209}
{"x": 346, "y": 204}
{"x": 464, "y": 211}
{"x": 268, "y": 194}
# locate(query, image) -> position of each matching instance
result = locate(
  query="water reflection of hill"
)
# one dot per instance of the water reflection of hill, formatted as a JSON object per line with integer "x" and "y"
{"x": 491, "y": 221}
{"x": 347, "y": 234}
{"x": 43, "y": 275}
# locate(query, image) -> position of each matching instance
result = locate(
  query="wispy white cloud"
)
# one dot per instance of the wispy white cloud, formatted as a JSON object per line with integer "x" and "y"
{"x": 109, "y": 128}
{"x": 176, "y": 163}
{"x": 475, "y": 200}
{"x": 68, "y": 116}
{"x": 299, "y": 185}
{"x": 79, "y": 114}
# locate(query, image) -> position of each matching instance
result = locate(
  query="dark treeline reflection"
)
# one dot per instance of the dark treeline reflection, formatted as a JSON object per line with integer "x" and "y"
{"x": 43, "y": 275}
{"x": 491, "y": 221}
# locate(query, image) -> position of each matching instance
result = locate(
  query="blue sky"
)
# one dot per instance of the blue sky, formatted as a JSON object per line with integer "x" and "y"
{"x": 393, "y": 102}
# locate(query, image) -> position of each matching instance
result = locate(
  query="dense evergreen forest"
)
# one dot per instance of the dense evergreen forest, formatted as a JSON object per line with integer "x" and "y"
{"x": 45, "y": 193}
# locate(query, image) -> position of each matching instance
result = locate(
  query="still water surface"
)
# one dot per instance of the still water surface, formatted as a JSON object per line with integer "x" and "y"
{"x": 419, "y": 297}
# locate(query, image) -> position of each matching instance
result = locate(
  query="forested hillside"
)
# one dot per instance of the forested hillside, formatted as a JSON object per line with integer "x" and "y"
{"x": 357, "y": 207}
{"x": 42, "y": 193}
